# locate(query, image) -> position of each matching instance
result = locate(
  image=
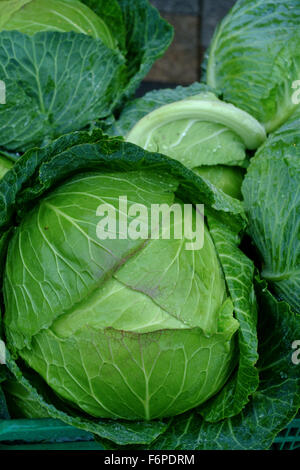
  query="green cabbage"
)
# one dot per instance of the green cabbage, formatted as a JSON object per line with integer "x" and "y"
{"x": 68, "y": 64}
{"x": 33, "y": 16}
{"x": 149, "y": 345}
{"x": 192, "y": 125}
{"x": 159, "y": 338}
{"x": 140, "y": 341}
{"x": 254, "y": 58}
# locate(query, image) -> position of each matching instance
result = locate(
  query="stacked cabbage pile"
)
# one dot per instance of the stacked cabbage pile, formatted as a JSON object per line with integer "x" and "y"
{"x": 139, "y": 340}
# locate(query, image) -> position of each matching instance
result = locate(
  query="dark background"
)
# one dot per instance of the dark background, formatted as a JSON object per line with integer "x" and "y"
{"x": 194, "y": 22}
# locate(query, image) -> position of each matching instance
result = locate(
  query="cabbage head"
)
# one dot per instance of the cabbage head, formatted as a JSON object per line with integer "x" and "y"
{"x": 254, "y": 60}
{"x": 67, "y": 64}
{"x": 32, "y": 16}
{"x": 136, "y": 340}
{"x": 192, "y": 125}
{"x": 128, "y": 328}
{"x": 150, "y": 325}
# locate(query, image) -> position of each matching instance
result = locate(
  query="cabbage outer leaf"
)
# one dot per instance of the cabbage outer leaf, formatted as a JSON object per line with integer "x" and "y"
{"x": 271, "y": 192}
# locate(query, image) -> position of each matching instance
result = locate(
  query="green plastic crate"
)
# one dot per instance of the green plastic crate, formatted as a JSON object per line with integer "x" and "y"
{"x": 43, "y": 434}
{"x": 289, "y": 438}
{"x": 50, "y": 434}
